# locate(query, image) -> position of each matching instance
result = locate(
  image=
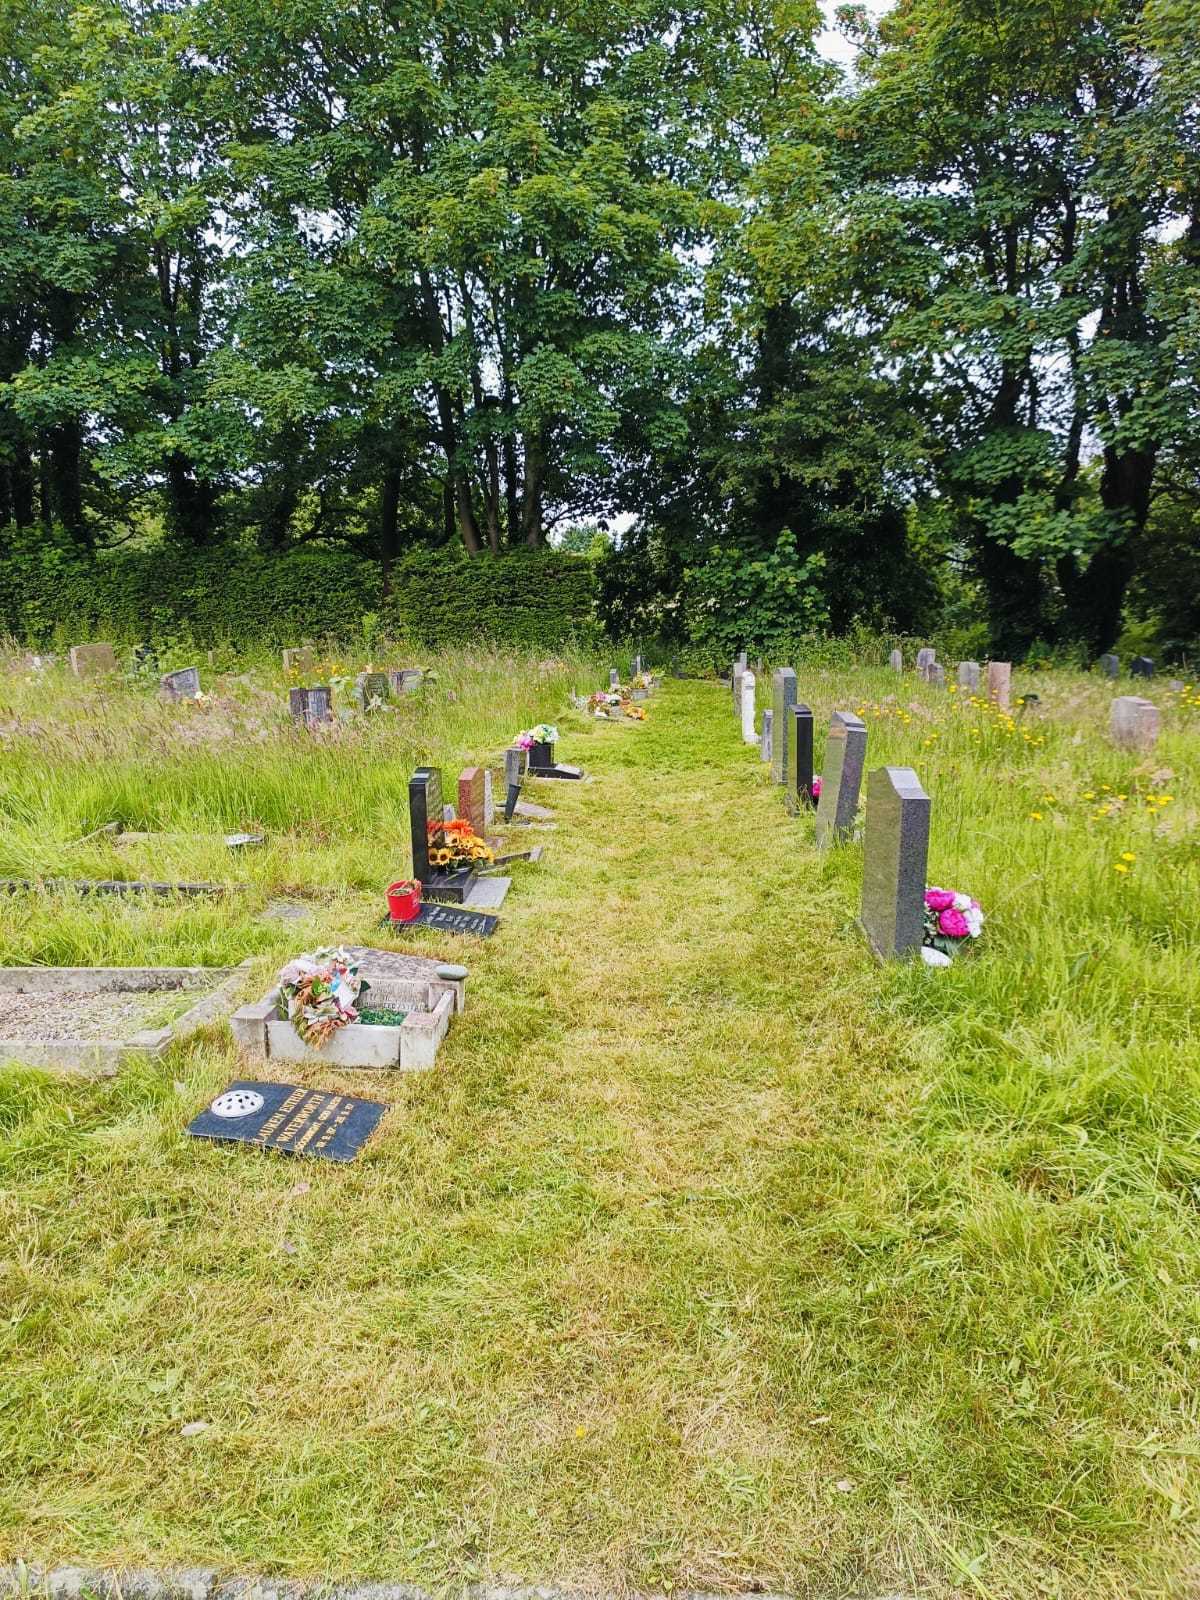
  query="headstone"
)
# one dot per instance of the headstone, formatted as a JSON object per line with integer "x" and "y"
{"x": 800, "y": 754}
{"x": 747, "y": 681}
{"x": 92, "y": 660}
{"x": 1141, "y": 667}
{"x": 935, "y": 674}
{"x": 1110, "y": 666}
{"x": 637, "y": 666}
{"x": 1134, "y": 722}
{"x": 925, "y": 659}
{"x": 739, "y": 677}
{"x": 895, "y": 855}
{"x": 405, "y": 680}
{"x": 543, "y": 765}
{"x": 767, "y": 739}
{"x": 470, "y": 798}
{"x": 741, "y": 660}
{"x": 298, "y": 1122}
{"x": 372, "y": 690}
{"x": 489, "y": 804}
{"x": 425, "y": 818}
{"x": 614, "y": 678}
{"x": 968, "y": 675}
{"x": 449, "y": 814}
{"x": 783, "y": 698}
{"x": 841, "y": 778}
{"x": 896, "y": 660}
{"x": 311, "y": 705}
{"x": 999, "y": 683}
{"x": 181, "y": 685}
{"x": 302, "y": 661}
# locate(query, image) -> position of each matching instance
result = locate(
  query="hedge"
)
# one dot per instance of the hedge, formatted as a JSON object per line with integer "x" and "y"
{"x": 231, "y": 593}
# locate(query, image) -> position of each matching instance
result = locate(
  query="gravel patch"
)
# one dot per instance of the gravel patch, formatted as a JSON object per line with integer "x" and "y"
{"x": 88, "y": 1014}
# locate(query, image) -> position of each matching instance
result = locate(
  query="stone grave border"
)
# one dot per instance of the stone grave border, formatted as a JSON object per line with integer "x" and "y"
{"x": 103, "y": 1057}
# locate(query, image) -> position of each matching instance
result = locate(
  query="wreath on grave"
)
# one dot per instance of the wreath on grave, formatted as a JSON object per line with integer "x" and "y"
{"x": 459, "y": 846}
{"x": 319, "y": 994}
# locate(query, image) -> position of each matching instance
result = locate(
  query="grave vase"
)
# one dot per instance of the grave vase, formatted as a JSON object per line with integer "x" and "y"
{"x": 404, "y": 902}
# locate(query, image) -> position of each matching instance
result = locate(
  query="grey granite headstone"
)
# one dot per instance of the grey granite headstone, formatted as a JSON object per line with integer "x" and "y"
{"x": 489, "y": 804}
{"x": 181, "y": 685}
{"x": 925, "y": 659}
{"x": 896, "y": 660}
{"x": 800, "y": 755}
{"x": 765, "y": 742}
{"x": 935, "y": 674}
{"x": 738, "y": 674}
{"x": 1110, "y": 666}
{"x": 968, "y": 675}
{"x": 614, "y": 678}
{"x": 372, "y": 690}
{"x": 514, "y": 766}
{"x": 841, "y": 778}
{"x": 425, "y": 818}
{"x": 783, "y": 698}
{"x": 1141, "y": 667}
{"x": 1134, "y": 722}
{"x": 895, "y": 856}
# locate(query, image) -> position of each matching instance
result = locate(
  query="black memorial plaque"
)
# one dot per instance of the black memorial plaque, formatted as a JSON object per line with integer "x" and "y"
{"x": 448, "y": 919}
{"x": 298, "y": 1122}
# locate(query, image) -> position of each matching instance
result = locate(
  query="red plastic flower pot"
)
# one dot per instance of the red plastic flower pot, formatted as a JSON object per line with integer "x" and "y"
{"x": 404, "y": 902}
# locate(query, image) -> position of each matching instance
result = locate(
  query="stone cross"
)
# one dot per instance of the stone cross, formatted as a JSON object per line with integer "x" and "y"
{"x": 1110, "y": 666}
{"x": 999, "y": 682}
{"x": 470, "y": 798}
{"x": 783, "y": 698}
{"x": 800, "y": 754}
{"x": 311, "y": 705}
{"x": 925, "y": 659}
{"x": 968, "y": 675}
{"x": 746, "y": 681}
{"x": 301, "y": 661}
{"x": 895, "y": 855}
{"x": 425, "y": 817}
{"x": 92, "y": 660}
{"x": 1141, "y": 667}
{"x": 1134, "y": 722}
{"x": 764, "y": 743}
{"x": 896, "y": 660}
{"x": 841, "y": 778}
{"x": 372, "y": 690}
{"x": 181, "y": 685}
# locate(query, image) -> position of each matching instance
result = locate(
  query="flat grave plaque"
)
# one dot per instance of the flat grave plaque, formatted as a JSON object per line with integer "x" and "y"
{"x": 280, "y": 1116}
{"x": 448, "y": 919}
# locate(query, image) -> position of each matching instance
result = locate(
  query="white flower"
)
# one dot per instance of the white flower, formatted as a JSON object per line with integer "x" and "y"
{"x": 974, "y": 921}
{"x": 962, "y": 902}
{"x": 934, "y": 958}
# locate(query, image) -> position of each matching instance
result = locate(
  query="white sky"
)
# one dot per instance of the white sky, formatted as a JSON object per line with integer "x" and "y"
{"x": 831, "y": 43}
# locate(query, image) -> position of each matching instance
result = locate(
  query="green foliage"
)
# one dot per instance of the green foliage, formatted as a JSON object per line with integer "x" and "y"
{"x": 540, "y": 598}
{"x": 736, "y": 602}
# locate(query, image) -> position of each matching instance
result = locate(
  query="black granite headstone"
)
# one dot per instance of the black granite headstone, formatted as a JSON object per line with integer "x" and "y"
{"x": 279, "y": 1116}
{"x": 1141, "y": 667}
{"x": 542, "y": 763}
{"x": 800, "y": 754}
{"x": 426, "y": 816}
{"x": 895, "y": 855}
{"x": 841, "y": 778}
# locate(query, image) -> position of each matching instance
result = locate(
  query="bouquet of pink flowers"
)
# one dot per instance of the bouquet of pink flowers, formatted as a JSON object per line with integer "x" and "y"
{"x": 544, "y": 733}
{"x": 950, "y": 918}
{"x": 816, "y": 787}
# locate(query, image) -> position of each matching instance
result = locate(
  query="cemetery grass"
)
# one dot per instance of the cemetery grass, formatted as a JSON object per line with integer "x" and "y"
{"x": 711, "y": 1255}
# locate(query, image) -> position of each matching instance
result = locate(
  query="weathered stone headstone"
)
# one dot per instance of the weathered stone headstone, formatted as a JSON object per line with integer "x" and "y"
{"x": 514, "y": 765}
{"x": 1141, "y": 667}
{"x": 405, "y": 680}
{"x": 999, "y": 683}
{"x": 741, "y": 660}
{"x": 935, "y": 674}
{"x": 1134, "y": 722}
{"x": 614, "y": 678}
{"x": 925, "y": 659}
{"x": 768, "y": 733}
{"x": 470, "y": 798}
{"x": 311, "y": 705}
{"x": 896, "y": 660}
{"x": 637, "y": 666}
{"x": 747, "y": 684}
{"x": 92, "y": 660}
{"x": 1110, "y": 666}
{"x": 895, "y": 855}
{"x": 302, "y": 661}
{"x": 739, "y": 674}
{"x": 841, "y": 778}
{"x": 372, "y": 690}
{"x": 800, "y": 755}
{"x": 181, "y": 685}
{"x": 489, "y": 804}
{"x": 783, "y": 698}
{"x": 968, "y": 675}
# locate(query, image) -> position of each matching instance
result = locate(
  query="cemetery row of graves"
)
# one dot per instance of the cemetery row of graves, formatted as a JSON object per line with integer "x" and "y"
{"x": 461, "y": 1123}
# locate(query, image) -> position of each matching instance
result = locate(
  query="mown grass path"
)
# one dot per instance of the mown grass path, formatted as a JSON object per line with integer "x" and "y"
{"x": 709, "y": 1257}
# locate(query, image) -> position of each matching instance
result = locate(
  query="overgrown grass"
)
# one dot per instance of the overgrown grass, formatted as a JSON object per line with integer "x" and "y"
{"x": 712, "y": 1255}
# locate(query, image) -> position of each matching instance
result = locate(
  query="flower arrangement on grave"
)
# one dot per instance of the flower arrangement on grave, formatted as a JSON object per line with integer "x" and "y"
{"x": 459, "y": 846}
{"x": 544, "y": 733}
{"x": 319, "y": 994}
{"x": 637, "y": 713}
{"x": 950, "y": 919}
{"x": 816, "y": 787}
{"x": 604, "y": 702}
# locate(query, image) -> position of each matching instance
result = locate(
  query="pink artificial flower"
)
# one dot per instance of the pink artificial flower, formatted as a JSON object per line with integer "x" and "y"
{"x": 816, "y": 788}
{"x": 939, "y": 899}
{"x": 953, "y": 924}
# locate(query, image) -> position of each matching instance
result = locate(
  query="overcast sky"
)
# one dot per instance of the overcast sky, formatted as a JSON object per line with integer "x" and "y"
{"x": 831, "y": 43}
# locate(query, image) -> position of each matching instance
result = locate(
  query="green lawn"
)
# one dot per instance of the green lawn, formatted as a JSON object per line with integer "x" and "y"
{"x": 712, "y": 1255}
